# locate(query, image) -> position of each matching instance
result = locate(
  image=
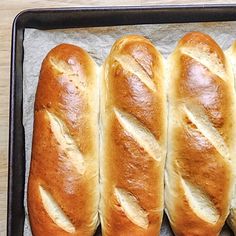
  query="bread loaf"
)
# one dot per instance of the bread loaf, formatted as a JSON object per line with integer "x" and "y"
{"x": 201, "y": 137}
{"x": 231, "y": 54}
{"x": 63, "y": 189}
{"x": 133, "y": 142}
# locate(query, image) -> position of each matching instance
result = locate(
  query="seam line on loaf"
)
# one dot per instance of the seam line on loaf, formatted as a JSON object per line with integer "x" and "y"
{"x": 134, "y": 212}
{"x": 200, "y": 203}
{"x": 198, "y": 117}
{"x": 55, "y": 212}
{"x": 66, "y": 142}
{"x": 129, "y": 64}
{"x": 208, "y": 59}
{"x": 72, "y": 72}
{"x": 140, "y": 134}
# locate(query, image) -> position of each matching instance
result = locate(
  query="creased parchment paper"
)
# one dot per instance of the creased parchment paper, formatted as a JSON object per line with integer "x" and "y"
{"x": 98, "y": 41}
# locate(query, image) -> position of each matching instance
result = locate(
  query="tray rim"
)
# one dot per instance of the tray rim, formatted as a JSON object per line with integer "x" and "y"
{"x": 18, "y": 18}
{"x": 155, "y": 7}
{"x": 128, "y": 7}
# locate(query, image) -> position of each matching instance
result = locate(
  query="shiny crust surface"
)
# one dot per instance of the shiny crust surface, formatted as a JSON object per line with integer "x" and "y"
{"x": 231, "y": 220}
{"x": 201, "y": 137}
{"x": 67, "y": 92}
{"x": 132, "y": 98}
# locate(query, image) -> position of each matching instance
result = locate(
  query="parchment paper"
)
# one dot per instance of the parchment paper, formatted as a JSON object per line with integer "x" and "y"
{"x": 98, "y": 41}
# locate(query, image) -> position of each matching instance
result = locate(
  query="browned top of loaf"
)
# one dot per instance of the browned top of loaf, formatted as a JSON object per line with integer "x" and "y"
{"x": 128, "y": 92}
{"x": 63, "y": 94}
{"x": 200, "y": 80}
{"x": 66, "y": 78}
{"x": 134, "y": 82}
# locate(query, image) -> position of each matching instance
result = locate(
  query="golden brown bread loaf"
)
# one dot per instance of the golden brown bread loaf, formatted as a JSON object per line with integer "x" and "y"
{"x": 63, "y": 189}
{"x": 133, "y": 142}
{"x": 201, "y": 137}
{"x": 231, "y": 220}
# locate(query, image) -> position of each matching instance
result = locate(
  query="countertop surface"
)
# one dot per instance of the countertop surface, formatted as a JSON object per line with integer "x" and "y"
{"x": 8, "y": 10}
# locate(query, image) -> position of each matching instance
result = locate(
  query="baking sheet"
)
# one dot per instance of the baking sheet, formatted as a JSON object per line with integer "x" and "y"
{"x": 98, "y": 41}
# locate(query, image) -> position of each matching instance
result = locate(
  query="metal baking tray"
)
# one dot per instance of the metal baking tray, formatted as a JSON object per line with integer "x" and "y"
{"x": 72, "y": 18}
